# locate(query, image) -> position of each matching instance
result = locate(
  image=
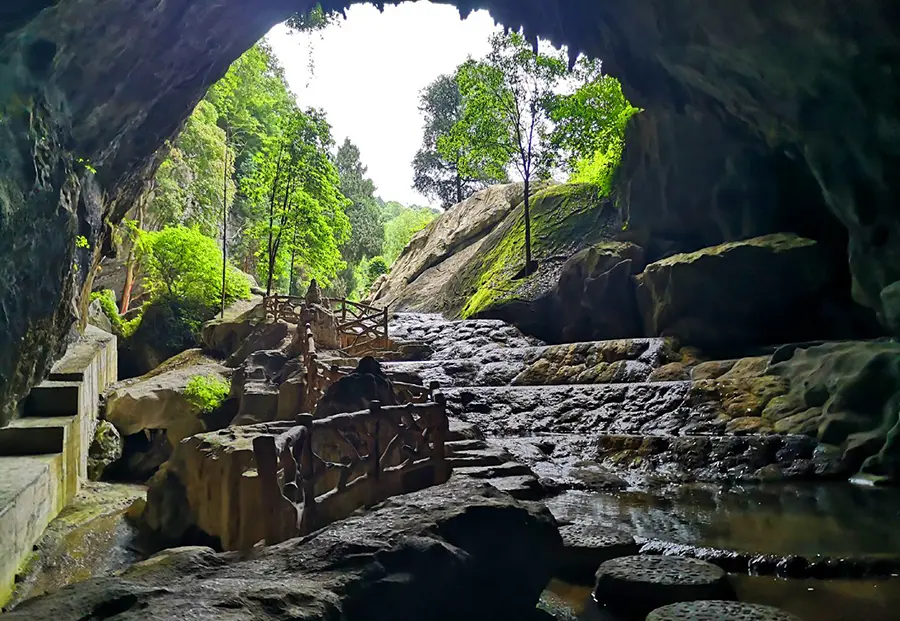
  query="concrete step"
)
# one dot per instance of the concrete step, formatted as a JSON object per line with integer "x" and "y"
{"x": 54, "y": 398}
{"x": 47, "y": 435}
{"x": 31, "y": 494}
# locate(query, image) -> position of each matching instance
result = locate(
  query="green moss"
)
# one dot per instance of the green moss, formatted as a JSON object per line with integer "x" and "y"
{"x": 564, "y": 219}
{"x": 123, "y": 328}
{"x": 207, "y": 392}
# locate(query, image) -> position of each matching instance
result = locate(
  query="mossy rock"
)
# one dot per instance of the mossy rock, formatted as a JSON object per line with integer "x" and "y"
{"x": 632, "y": 586}
{"x": 719, "y": 610}
{"x": 564, "y": 219}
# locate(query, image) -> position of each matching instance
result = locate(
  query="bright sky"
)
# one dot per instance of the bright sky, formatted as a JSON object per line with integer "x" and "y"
{"x": 368, "y": 73}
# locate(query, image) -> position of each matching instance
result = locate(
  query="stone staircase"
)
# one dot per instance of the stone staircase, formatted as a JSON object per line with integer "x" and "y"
{"x": 43, "y": 454}
{"x": 568, "y": 410}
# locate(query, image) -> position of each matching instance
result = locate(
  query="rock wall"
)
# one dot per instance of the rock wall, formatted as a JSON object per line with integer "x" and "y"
{"x": 738, "y": 97}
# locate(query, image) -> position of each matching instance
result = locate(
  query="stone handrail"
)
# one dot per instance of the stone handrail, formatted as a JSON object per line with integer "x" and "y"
{"x": 323, "y": 470}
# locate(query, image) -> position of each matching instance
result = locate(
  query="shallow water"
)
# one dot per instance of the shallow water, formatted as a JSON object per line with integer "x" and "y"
{"x": 810, "y": 600}
{"x": 833, "y": 519}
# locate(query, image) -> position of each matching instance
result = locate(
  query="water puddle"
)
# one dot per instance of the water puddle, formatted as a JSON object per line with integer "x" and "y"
{"x": 832, "y": 519}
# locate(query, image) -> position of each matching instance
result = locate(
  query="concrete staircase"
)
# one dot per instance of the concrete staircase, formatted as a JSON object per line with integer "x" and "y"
{"x": 43, "y": 454}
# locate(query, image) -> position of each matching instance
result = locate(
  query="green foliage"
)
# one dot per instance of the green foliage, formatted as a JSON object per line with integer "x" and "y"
{"x": 183, "y": 264}
{"x": 189, "y": 186}
{"x": 367, "y": 232}
{"x": 316, "y": 19}
{"x": 207, "y": 392}
{"x": 121, "y": 327}
{"x": 403, "y": 223}
{"x": 81, "y": 242}
{"x": 377, "y": 266}
{"x": 440, "y": 174}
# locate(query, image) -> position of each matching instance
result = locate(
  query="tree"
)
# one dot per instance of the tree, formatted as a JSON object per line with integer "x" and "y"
{"x": 367, "y": 232}
{"x": 505, "y": 116}
{"x": 182, "y": 263}
{"x": 589, "y": 125}
{"x": 444, "y": 176}
{"x": 403, "y": 223}
{"x": 298, "y": 208}
{"x": 188, "y": 187}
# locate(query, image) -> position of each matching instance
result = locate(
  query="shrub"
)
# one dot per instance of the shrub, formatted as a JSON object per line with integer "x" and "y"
{"x": 377, "y": 267}
{"x": 207, "y": 392}
{"x": 123, "y": 328}
{"x": 184, "y": 264}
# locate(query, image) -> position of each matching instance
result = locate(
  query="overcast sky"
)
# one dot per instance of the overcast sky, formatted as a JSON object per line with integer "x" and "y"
{"x": 368, "y": 73}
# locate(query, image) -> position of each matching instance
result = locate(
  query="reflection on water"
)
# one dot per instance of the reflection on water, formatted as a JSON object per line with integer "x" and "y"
{"x": 836, "y": 519}
{"x": 811, "y": 600}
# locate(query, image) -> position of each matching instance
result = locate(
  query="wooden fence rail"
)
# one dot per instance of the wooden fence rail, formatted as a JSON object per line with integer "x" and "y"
{"x": 362, "y": 328}
{"x": 323, "y": 470}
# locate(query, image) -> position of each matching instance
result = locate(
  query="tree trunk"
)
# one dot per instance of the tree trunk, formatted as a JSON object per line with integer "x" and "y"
{"x": 459, "y": 197}
{"x": 224, "y": 224}
{"x": 293, "y": 256}
{"x": 130, "y": 264}
{"x": 528, "y": 263}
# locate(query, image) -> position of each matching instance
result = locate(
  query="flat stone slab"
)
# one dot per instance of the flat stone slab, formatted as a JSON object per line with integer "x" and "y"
{"x": 508, "y": 469}
{"x": 718, "y": 610}
{"x": 633, "y": 586}
{"x": 464, "y": 431}
{"x": 455, "y": 446}
{"x": 587, "y": 546}
{"x": 478, "y": 458}
{"x": 525, "y": 487}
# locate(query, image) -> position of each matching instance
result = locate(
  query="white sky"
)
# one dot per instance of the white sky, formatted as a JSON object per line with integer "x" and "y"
{"x": 368, "y": 73}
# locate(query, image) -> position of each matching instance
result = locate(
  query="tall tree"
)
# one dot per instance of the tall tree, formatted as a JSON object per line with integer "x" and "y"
{"x": 505, "y": 114}
{"x": 367, "y": 232}
{"x": 453, "y": 175}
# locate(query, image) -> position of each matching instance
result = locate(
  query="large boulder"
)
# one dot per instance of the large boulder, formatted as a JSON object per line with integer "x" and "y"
{"x": 455, "y": 234}
{"x": 757, "y": 291}
{"x": 455, "y": 552}
{"x": 223, "y": 335}
{"x": 157, "y": 400}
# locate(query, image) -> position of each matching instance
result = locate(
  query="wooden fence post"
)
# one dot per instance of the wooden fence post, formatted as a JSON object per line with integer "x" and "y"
{"x": 375, "y": 449}
{"x": 272, "y": 499}
{"x": 384, "y": 344}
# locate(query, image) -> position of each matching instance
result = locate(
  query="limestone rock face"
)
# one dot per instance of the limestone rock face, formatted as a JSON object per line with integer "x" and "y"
{"x": 748, "y": 292}
{"x": 157, "y": 400}
{"x": 460, "y": 229}
{"x": 224, "y": 335}
{"x": 460, "y": 551}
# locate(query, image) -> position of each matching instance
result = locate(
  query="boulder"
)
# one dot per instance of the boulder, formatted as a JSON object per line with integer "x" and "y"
{"x": 267, "y": 335}
{"x": 157, "y": 400}
{"x": 852, "y": 391}
{"x": 758, "y": 291}
{"x": 224, "y": 335}
{"x": 454, "y": 552}
{"x": 105, "y": 449}
{"x": 355, "y": 392}
{"x": 98, "y": 318}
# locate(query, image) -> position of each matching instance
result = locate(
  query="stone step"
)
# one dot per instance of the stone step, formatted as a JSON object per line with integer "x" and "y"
{"x": 456, "y": 446}
{"x": 522, "y": 487}
{"x": 54, "y": 398}
{"x": 460, "y": 430}
{"x": 508, "y": 469}
{"x": 31, "y": 494}
{"x": 47, "y": 435}
{"x": 479, "y": 458}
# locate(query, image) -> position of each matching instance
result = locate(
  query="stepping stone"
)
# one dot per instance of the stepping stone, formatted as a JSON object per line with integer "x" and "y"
{"x": 718, "y": 610}
{"x": 633, "y": 586}
{"x": 519, "y": 487}
{"x": 587, "y": 546}
{"x": 509, "y": 469}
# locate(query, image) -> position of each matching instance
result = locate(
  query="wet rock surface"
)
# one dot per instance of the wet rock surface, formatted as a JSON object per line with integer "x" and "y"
{"x": 719, "y": 611}
{"x": 456, "y": 551}
{"x": 632, "y": 586}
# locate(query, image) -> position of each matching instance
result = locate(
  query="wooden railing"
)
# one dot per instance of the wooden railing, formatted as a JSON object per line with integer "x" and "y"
{"x": 319, "y": 376}
{"x": 363, "y": 329}
{"x": 323, "y": 470}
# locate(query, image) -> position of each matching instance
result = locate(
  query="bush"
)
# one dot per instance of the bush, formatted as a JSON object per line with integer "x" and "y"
{"x": 207, "y": 392}
{"x": 184, "y": 264}
{"x": 122, "y": 328}
{"x": 377, "y": 267}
